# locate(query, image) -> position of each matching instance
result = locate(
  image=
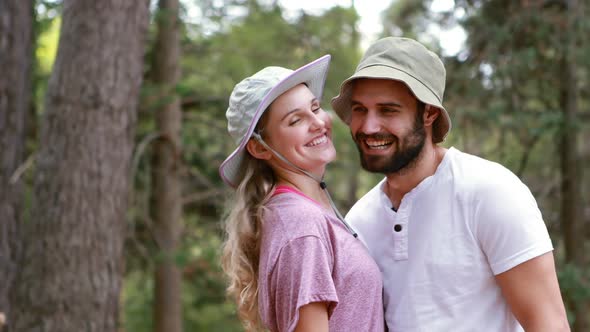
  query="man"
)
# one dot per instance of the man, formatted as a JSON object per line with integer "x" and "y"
{"x": 460, "y": 241}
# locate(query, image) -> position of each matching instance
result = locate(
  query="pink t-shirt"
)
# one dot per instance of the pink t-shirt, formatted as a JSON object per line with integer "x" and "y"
{"x": 306, "y": 256}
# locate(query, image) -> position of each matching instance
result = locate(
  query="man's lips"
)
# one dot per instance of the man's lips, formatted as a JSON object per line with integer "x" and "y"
{"x": 375, "y": 142}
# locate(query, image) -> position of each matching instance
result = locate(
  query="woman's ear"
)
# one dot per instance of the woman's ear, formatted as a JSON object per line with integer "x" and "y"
{"x": 257, "y": 150}
{"x": 431, "y": 113}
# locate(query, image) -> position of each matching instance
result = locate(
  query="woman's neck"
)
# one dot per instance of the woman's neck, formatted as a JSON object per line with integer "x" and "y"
{"x": 308, "y": 186}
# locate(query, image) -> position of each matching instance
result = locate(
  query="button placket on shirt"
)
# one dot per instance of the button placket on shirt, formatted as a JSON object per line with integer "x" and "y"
{"x": 399, "y": 231}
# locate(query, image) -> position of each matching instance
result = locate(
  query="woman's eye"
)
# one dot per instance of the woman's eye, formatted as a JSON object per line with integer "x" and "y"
{"x": 315, "y": 110}
{"x": 293, "y": 122}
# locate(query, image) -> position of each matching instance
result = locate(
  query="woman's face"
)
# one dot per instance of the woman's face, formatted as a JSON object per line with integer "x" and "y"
{"x": 300, "y": 130}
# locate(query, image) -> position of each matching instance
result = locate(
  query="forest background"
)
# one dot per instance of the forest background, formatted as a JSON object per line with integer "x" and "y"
{"x": 112, "y": 127}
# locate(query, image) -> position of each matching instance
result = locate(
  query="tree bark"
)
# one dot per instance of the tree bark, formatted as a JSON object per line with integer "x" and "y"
{"x": 72, "y": 262}
{"x": 166, "y": 195}
{"x": 16, "y": 31}
{"x": 570, "y": 190}
{"x": 571, "y": 194}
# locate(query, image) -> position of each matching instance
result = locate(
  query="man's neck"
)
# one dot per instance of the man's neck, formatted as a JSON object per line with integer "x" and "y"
{"x": 400, "y": 183}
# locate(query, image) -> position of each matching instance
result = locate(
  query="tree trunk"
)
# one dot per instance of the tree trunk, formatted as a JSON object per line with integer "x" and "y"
{"x": 166, "y": 195}
{"x": 72, "y": 263}
{"x": 571, "y": 199}
{"x": 16, "y": 31}
{"x": 570, "y": 190}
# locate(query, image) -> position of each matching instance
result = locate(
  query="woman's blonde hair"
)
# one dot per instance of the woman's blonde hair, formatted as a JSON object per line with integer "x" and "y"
{"x": 241, "y": 250}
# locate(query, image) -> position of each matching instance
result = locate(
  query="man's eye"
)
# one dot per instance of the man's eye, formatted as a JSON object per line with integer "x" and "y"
{"x": 358, "y": 109}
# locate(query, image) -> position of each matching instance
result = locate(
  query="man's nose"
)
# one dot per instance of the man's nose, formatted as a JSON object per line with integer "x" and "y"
{"x": 370, "y": 124}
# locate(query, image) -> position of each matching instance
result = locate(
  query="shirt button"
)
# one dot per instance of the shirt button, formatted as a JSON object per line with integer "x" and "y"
{"x": 397, "y": 228}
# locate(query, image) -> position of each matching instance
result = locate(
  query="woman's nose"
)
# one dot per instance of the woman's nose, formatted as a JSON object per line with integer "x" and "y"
{"x": 320, "y": 119}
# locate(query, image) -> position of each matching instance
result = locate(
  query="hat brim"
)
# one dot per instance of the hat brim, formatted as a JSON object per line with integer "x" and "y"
{"x": 342, "y": 103}
{"x": 313, "y": 75}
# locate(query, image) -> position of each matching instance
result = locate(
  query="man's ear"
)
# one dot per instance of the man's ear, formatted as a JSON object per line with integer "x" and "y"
{"x": 257, "y": 150}
{"x": 430, "y": 115}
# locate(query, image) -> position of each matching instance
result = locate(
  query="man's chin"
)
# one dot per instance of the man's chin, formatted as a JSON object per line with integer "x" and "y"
{"x": 374, "y": 164}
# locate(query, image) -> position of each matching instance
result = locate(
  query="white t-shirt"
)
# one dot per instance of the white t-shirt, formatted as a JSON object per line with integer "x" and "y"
{"x": 450, "y": 236}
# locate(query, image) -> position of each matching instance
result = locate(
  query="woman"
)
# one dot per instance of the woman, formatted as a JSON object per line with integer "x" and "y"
{"x": 293, "y": 263}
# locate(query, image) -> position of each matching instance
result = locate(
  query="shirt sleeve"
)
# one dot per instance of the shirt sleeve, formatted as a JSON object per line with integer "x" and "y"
{"x": 302, "y": 275}
{"x": 509, "y": 225}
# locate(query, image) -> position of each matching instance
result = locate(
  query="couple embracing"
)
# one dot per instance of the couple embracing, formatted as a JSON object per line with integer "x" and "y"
{"x": 447, "y": 241}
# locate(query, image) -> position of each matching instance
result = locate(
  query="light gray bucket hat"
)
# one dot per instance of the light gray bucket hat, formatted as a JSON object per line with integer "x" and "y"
{"x": 405, "y": 60}
{"x": 252, "y": 96}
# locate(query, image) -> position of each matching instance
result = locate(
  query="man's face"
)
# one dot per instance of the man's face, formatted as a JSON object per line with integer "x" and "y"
{"x": 386, "y": 125}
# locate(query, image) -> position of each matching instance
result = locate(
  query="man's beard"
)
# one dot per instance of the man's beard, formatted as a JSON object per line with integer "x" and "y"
{"x": 407, "y": 151}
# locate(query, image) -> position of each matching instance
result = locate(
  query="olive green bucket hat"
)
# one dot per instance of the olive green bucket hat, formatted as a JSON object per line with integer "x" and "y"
{"x": 405, "y": 60}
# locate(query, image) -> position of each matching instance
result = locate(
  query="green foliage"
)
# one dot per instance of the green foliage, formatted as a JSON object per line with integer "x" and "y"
{"x": 575, "y": 288}
{"x": 46, "y": 30}
{"x": 205, "y": 307}
{"x": 137, "y": 300}
{"x": 407, "y": 18}
{"x": 205, "y": 303}
{"x": 47, "y": 44}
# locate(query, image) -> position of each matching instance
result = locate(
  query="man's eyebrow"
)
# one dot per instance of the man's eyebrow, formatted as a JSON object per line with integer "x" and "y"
{"x": 391, "y": 104}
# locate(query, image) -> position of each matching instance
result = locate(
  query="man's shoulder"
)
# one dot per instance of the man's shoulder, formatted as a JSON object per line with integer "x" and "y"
{"x": 481, "y": 180}
{"x": 471, "y": 172}
{"x": 473, "y": 163}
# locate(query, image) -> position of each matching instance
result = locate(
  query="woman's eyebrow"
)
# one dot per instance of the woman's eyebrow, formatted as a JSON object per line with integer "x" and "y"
{"x": 290, "y": 112}
{"x": 297, "y": 109}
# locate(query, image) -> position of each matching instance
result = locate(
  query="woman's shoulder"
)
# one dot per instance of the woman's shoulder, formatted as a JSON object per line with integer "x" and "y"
{"x": 290, "y": 221}
{"x": 294, "y": 216}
